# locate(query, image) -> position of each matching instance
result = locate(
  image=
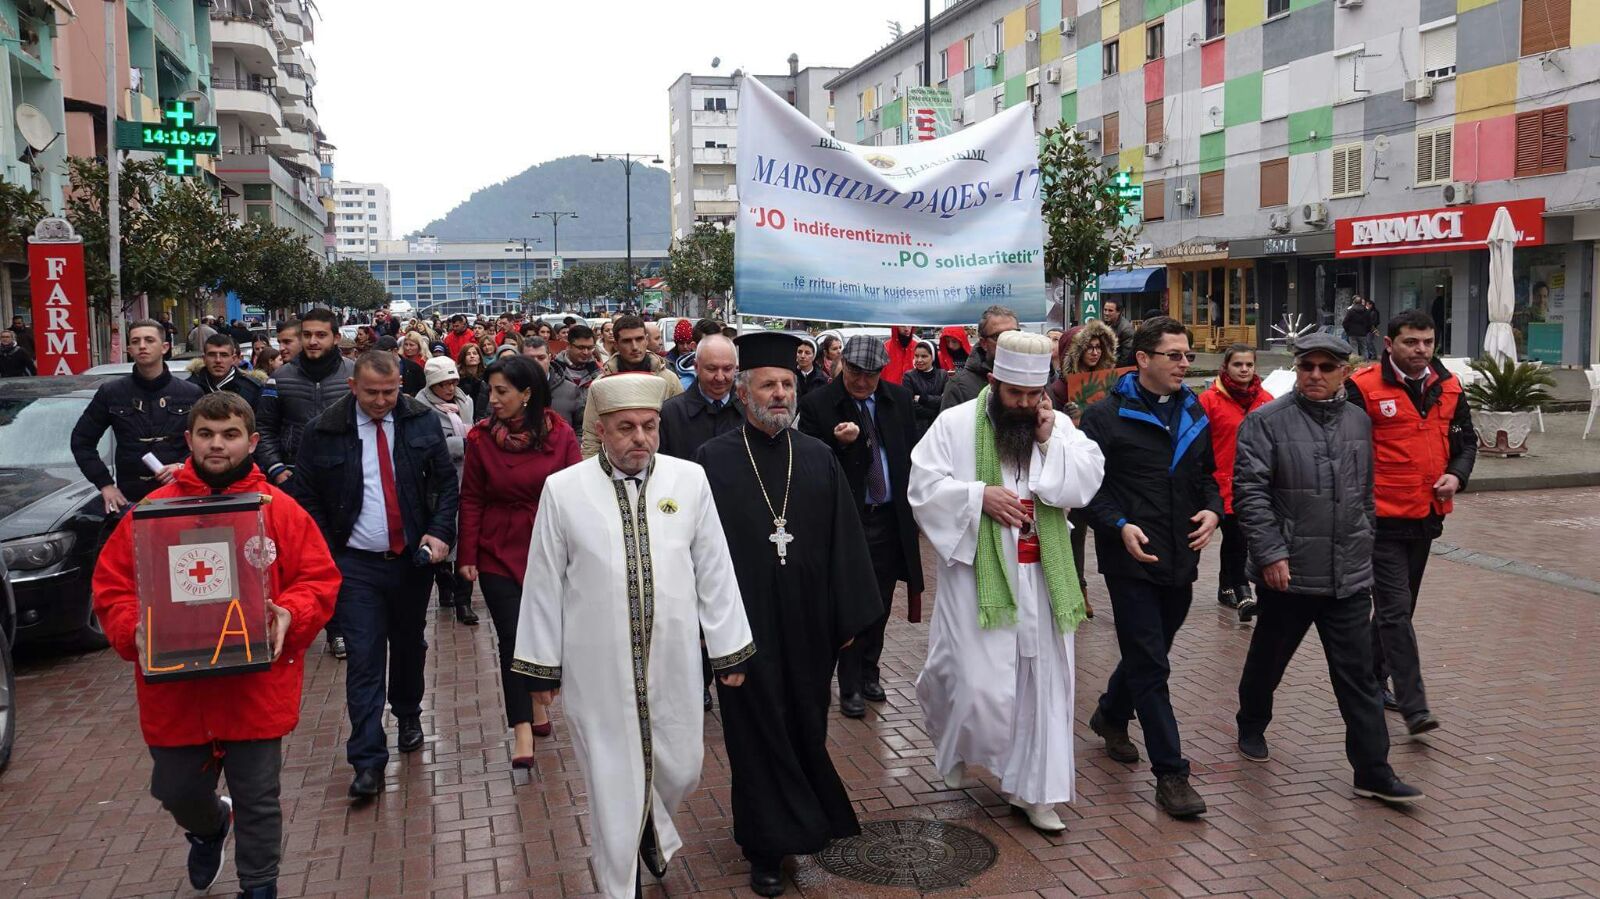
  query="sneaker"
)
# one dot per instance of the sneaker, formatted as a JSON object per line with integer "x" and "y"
{"x": 338, "y": 648}
{"x": 1395, "y": 792}
{"x": 1227, "y": 597}
{"x": 1118, "y": 746}
{"x": 206, "y": 856}
{"x": 1177, "y": 798}
{"x": 1253, "y": 747}
{"x": 1421, "y": 723}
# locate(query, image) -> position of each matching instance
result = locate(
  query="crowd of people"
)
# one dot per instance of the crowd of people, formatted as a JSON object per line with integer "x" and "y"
{"x": 737, "y": 514}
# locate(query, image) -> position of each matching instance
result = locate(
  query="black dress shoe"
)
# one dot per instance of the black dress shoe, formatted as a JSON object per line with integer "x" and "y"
{"x": 708, "y": 699}
{"x": 766, "y": 881}
{"x": 853, "y": 706}
{"x": 1394, "y": 792}
{"x": 873, "y": 691}
{"x": 465, "y": 615}
{"x": 1389, "y": 702}
{"x": 368, "y": 783}
{"x": 411, "y": 733}
{"x": 1421, "y": 723}
{"x": 337, "y": 646}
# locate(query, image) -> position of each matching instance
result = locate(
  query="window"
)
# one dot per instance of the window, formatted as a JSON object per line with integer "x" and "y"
{"x": 1277, "y": 7}
{"x": 372, "y": 218}
{"x": 1439, "y": 49}
{"x": 1155, "y": 36}
{"x": 1347, "y": 170}
{"x": 966, "y": 50}
{"x": 1542, "y": 142}
{"x": 1110, "y": 133}
{"x": 944, "y": 66}
{"x": 372, "y": 193}
{"x": 1348, "y": 74}
{"x": 1274, "y": 183}
{"x": 1546, "y": 25}
{"x": 1110, "y": 59}
{"x": 1211, "y": 99}
{"x": 997, "y": 40}
{"x": 1155, "y": 126}
{"x": 1155, "y": 200}
{"x": 1212, "y": 185}
{"x": 1216, "y": 18}
{"x": 861, "y": 106}
{"x": 1434, "y": 149}
{"x": 372, "y": 205}
{"x": 1274, "y": 93}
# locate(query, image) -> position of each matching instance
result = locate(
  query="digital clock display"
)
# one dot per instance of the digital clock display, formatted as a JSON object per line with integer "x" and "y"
{"x": 199, "y": 139}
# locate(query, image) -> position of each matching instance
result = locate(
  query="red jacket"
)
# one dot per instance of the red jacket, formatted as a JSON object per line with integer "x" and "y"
{"x": 262, "y": 705}
{"x": 900, "y": 358}
{"x": 500, "y": 495}
{"x": 1410, "y": 452}
{"x": 1225, "y": 415}
{"x": 454, "y": 342}
{"x": 959, "y": 334}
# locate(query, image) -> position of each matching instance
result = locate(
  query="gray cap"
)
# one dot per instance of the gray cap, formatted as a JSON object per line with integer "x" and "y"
{"x": 1321, "y": 342}
{"x": 866, "y": 353}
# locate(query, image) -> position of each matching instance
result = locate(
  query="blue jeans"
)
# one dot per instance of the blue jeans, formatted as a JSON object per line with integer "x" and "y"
{"x": 382, "y": 607}
{"x": 1147, "y": 617}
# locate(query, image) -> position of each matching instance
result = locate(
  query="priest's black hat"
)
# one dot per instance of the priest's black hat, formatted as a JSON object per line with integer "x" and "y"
{"x": 767, "y": 349}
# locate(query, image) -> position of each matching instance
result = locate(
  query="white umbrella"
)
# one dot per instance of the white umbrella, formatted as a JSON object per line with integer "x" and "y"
{"x": 1498, "y": 342}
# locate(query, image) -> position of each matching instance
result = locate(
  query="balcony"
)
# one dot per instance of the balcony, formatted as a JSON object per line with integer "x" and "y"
{"x": 254, "y": 102}
{"x": 300, "y": 116}
{"x": 729, "y": 194}
{"x": 248, "y": 38}
{"x": 714, "y": 156}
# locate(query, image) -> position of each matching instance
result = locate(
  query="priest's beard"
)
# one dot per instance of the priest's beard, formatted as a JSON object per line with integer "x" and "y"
{"x": 1013, "y": 432}
{"x": 772, "y": 421}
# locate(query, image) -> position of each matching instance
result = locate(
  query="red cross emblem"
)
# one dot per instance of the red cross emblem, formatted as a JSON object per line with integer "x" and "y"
{"x": 201, "y": 571}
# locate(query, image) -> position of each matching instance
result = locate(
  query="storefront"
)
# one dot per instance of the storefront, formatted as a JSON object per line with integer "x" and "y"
{"x": 1210, "y": 292}
{"x": 1139, "y": 292}
{"x": 1297, "y": 275}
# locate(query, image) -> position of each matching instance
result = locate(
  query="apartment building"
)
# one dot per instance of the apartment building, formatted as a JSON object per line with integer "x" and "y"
{"x": 360, "y": 217}
{"x": 704, "y": 137}
{"x": 479, "y": 276}
{"x": 1294, "y": 153}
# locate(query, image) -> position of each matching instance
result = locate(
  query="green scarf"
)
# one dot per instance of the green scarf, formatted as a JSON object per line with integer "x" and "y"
{"x": 997, "y": 606}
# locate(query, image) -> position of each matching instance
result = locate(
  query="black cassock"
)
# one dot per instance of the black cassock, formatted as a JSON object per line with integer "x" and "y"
{"x": 787, "y": 797}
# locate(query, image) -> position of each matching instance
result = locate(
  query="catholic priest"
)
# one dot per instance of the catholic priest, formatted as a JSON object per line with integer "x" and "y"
{"x": 626, "y": 569}
{"x": 809, "y": 589}
{"x": 991, "y": 485}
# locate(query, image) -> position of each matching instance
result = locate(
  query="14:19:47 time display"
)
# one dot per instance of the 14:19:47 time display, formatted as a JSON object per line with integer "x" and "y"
{"x": 180, "y": 137}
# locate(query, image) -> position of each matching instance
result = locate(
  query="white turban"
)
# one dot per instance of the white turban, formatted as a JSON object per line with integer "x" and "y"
{"x": 627, "y": 390}
{"x": 1022, "y": 359}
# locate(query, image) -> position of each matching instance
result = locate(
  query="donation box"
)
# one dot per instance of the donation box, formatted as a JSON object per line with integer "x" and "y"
{"x": 202, "y": 577}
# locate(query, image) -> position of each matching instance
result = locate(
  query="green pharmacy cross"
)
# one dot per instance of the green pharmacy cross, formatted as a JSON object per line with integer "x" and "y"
{"x": 1125, "y": 190}
{"x": 176, "y": 136}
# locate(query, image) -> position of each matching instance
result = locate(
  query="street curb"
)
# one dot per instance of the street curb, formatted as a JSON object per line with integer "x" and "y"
{"x": 1491, "y": 562}
{"x": 1550, "y": 481}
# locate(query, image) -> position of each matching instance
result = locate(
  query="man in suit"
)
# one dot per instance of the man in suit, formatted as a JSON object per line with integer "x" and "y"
{"x": 871, "y": 426}
{"x": 708, "y": 407}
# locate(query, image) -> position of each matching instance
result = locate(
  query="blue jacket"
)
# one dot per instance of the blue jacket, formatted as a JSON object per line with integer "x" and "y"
{"x": 328, "y": 475}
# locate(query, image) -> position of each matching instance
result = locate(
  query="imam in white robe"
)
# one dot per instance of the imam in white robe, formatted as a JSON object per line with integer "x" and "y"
{"x": 614, "y": 612}
{"x": 999, "y": 698}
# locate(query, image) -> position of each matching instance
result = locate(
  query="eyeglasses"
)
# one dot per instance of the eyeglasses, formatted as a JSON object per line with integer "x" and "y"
{"x": 1326, "y": 368}
{"x": 1174, "y": 356}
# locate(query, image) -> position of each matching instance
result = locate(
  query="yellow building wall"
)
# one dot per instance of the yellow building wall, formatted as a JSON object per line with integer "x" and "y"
{"x": 1486, "y": 93}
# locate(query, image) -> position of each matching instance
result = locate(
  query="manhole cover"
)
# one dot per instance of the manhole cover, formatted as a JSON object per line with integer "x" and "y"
{"x": 923, "y": 855}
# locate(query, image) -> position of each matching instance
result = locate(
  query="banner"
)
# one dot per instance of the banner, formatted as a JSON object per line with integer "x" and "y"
{"x": 60, "y": 307}
{"x": 922, "y": 234}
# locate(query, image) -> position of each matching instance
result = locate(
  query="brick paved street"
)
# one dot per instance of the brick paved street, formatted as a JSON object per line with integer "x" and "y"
{"x": 1512, "y": 781}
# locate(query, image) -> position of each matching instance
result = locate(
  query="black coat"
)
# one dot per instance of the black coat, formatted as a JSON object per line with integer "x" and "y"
{"x": 412, "y": 378}
{"x": 927, "y": 392}
{"x": 290, "y": 402}
{"x": 816, "y": 380}
{"x": 1154, "y": 479}
{"x": 328, "y": 475}
{"x": 17, "y": 363}
{"x": 145, "y": 417}
{"x": 240, "y": 382}
{"x": 825, "y": 408}
{"x": 687, "y": 422}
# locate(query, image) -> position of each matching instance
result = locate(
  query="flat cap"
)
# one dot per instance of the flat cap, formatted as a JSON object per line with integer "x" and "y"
{"x": 866, "y": 353}
{"x": 1321, "y": 342}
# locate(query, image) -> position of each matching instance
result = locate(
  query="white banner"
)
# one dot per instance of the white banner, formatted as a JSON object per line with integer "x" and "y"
{"x": 928, "y": 233}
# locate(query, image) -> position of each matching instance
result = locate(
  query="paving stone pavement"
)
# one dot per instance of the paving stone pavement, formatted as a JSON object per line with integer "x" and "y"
{"x": 1511, "y": 779}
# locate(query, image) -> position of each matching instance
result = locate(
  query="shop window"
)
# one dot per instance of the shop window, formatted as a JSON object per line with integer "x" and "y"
{"x": 1539, "y": 276}
{"x": 1212, "y": 185}
{"x": 1546, "y": 25}
{"x": 1434, "y": 149}
{"x": 1347, "y": 170}
{"x": 1274, "y": 183}
{"x": 1155, "y": 128}
{"x": 1110, "y": 133}
{"x": 1439, "y": 50}
{"x": 1155, "y": 200}
{"x": 1542, "y": 142}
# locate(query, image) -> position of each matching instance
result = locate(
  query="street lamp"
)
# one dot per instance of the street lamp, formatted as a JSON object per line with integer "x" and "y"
{"x": 628, "y": 162}
{"x": 555, "y": 236}
{"x": 524, "y": 241}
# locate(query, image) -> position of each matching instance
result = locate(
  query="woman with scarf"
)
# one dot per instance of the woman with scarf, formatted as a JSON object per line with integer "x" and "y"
{"x": 1086, "y": 348}
{"x": 444, "y": 397}
{"x": 1234, "y": 394}
{"x": 471, "y": 366}
{"x": 954, "y": 348}
{"x": 509, "y": 456}
{"x": 926, "y": 383}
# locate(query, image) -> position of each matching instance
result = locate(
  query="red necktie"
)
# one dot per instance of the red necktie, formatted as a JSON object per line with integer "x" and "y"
{"x": 391, "y": 499}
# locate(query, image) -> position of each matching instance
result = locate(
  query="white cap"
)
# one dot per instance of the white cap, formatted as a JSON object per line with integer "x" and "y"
{"x": 440, "y": 369}
{"x": 1022, "y": 359}
{"x": 627, "y": 390}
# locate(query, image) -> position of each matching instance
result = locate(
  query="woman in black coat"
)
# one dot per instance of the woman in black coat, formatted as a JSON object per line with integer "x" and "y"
{"x": 469, "y": 362}
{"x": 926, "y": 383}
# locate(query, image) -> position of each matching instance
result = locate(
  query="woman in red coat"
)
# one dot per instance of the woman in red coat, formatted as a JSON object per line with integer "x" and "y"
{"x": 508, "y": 457}
{"x": 1233, "y": 395}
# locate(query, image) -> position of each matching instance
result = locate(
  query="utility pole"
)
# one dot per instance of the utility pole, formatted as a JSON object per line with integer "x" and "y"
{"x": 927, "y": 43}
{"x": 113, "y": 189}
{"x": 555, "y": 239}
{"x": 524, "y": 241}
{"x": 628, "y": 162}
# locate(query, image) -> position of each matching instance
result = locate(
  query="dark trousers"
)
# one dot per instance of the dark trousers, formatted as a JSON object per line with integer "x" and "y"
{"x": 383, "y": 606}
{"x": 503, "y": 597}
{"x": 1281, "y": 623}
{"x": 858, "y": 664}
{"x": 1397, "y": 567}
{"x": 184, "y": 780}
{"x": 1148, "y": 617}
{"x": 1234, "y": 552}
{"x": 1079, "y": 519}
{"x": 455, "y": 591}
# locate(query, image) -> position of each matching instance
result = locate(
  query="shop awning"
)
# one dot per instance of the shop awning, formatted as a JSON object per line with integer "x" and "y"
{"x": 1139, "y": 280}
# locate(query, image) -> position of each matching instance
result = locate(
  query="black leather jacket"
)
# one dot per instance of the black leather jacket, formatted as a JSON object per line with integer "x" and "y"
{"x": 289, "y": 403}
{"x": 145, "y": 417}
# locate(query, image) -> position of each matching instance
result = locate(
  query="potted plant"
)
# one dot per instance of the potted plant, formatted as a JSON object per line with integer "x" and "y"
{"x": 1503, "y": 400}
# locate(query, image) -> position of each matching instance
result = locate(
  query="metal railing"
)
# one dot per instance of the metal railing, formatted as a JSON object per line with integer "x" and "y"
{"x": 264, "y": 85}
{"x": 167, "y": 30}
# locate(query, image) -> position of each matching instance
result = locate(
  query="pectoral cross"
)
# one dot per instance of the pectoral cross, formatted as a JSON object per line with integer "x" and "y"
{"x": 781, "y": 539}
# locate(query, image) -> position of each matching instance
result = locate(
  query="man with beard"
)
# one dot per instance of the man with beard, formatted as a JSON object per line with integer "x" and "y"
{"x": 991, "y": 483}
{"x": 901, "y": 345}
{"x": 965, "y": 382}
{"x": 809, "y": 589}
{"x": 634, "y": 358}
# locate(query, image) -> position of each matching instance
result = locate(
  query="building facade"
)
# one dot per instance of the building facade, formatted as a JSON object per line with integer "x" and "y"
{"x": 704, "y": 137}
{"x": 487, "y": 277}
{"x": 1257, "y": 127}
{"x": 360, "y": 217}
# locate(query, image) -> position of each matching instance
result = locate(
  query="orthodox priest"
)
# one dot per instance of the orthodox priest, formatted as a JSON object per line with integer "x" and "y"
{"x": 809, "y": 589}
{"x": 991, "y": 485}
{"x": 626, "y": 569}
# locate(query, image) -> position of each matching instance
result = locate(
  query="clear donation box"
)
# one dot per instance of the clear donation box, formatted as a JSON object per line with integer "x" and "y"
{"x": 202, "y": 578}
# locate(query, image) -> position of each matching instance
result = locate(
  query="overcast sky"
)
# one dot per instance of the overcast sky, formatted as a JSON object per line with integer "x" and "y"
{"x": 436, "y": 100}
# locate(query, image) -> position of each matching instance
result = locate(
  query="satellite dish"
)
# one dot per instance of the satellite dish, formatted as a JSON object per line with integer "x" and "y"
{"x": 716, "y": 61}
{"x": 1381, "y": 143}
{"x": 201, "y": 103}
{"x": 35, "y": 128}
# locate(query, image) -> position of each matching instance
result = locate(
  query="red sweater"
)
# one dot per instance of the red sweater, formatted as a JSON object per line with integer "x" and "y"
{"x": 1226, "y": 414}
{"x": 500, "y": 495}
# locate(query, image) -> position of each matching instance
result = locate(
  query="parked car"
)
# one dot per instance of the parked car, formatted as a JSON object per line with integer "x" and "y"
{"x": 52, "y": 520}
{"x": 8, "y": 670}
{"x": 178, "y": 367}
